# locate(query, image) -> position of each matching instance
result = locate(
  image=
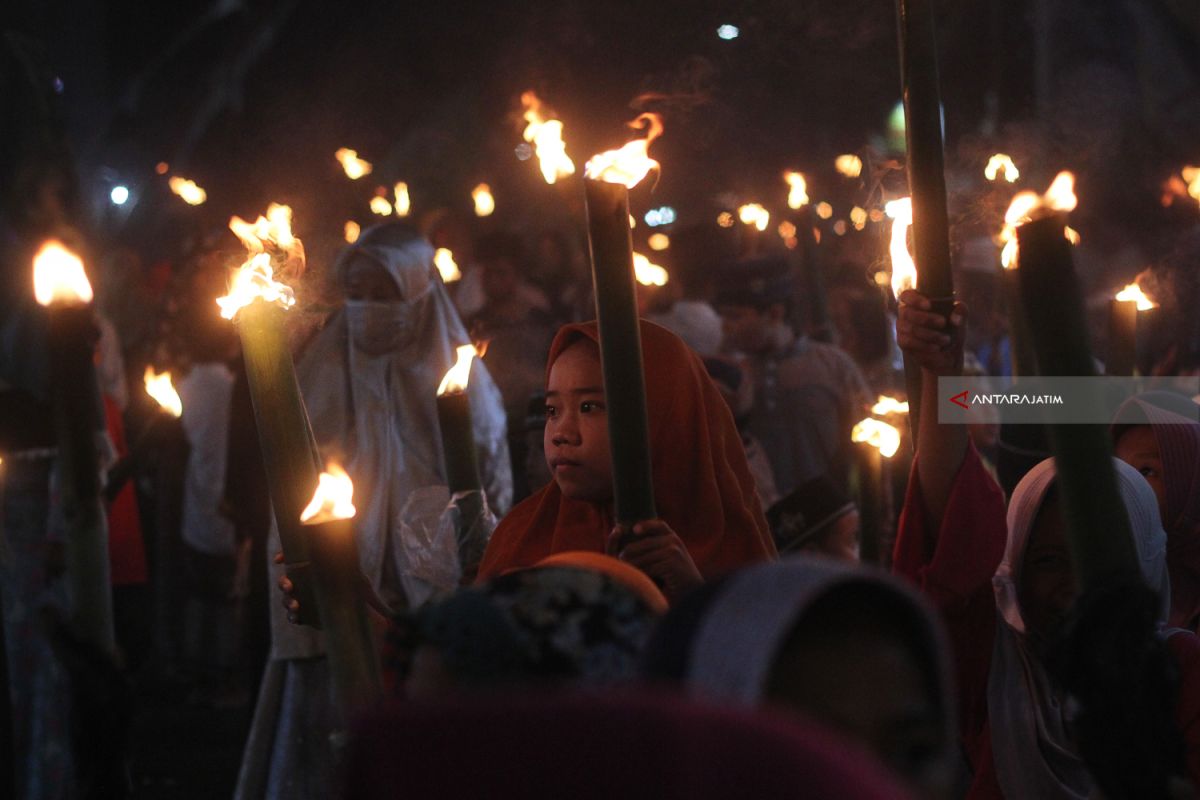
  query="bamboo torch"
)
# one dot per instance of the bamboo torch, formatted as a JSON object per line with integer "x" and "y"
{"x": 62, "y": 287}
{"x": 875, "y": 442}
{"x": 258, "y": 302}
{"x": 329, "y": 528}
{"x": 904, "y": 277}
{"x": 1124, "y": 317}
{"x": 608, "y": 178}
{"x": 462, "y": 463}
{"x": 1097, "y": 524}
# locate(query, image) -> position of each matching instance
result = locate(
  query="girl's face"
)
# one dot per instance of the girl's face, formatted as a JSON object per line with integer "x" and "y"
{"x": 1048, "y": 585}
{"x": 576, "y": 437}
{"x": 365, "y": 280}
{"x": 1138, "y": 447}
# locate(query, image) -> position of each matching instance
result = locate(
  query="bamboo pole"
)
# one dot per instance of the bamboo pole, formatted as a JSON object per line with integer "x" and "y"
{"x": 611, "y": 250}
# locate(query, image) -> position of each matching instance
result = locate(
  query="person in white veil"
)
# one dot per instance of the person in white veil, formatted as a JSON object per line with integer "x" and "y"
{"x": 369, "y": 380}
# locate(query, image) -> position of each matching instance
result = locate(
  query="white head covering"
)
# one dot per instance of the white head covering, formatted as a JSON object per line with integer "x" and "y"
{"x": 749, "y": 621}
{"x": 376, "y": 415}
{"x": 1034, "y": 751}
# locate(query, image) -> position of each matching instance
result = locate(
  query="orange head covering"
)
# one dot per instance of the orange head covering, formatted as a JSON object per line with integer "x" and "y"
{"x": 627, "y": 575}
{"x": 702, "y": 485}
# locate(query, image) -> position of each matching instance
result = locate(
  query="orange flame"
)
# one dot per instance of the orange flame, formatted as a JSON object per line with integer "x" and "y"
{"x": 631, "y": 163}
{"x": 1192, "y": 176}
{"x": 351, "y": 231}
{"x": 824, "y": 210}
{"x": 1027, "y": 206}
{"x": 443, "y": 259}
{"x": 403, "y": 203}
{"x": 545, "y": 134}
{"x": 58, "y": 276}
{"x": 159, "y": 387}
{"x": 889, "y": 405}
{"x": 797, "y": 189}
{"x": 191, "y": 194}
{"x": 1001, "y": 163}
{"x": 877, "y": 434}
{"x": 255, "y": 280}
{"x": 754, "y": 214}
{"x": 648, "y": 273}
{"x": 659, "y": 241}
{"x": 274, "y": 231}
{"x": 381, "y": 206}
{"x": 485, "y": 203}
{"x": 1133, "y": 293}
{"x": 354, "y": 166}
{"x": 849, "y": 165}
{"x": 904, "y": 270}
{"x": 859, "y": 217}
{"x": 457, "y": 376}
{"x": 333, "y": 499}
{"x": 265, "y": 238}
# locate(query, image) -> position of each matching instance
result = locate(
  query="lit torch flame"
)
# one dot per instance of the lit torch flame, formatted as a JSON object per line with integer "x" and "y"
{"x": 858, "y": 216}
{"x": 1001, "y": 163}
{"x": 191, "y": 194}
{"x": 58, "y": 276}
{"x": 889, "y": 405}
{"x": 546, "y": 137}
{"x": 351, "y": 231}
{"x": 659, "y": 241}
{"x": 403, "y": 203}
{"x": 1026, "y": 206}
{"x": 354, "y": 166}
{"x": 333, "y": 499}
{"x": 266, "y": 238}
{"x": 1192, "y": 176}
{"x": 443, "y": 259}
{"x": 631, "y": 163}
{"x": 1134, "y": 294}
{"x": 647, "y": 273}
{"x": 163, "y": 391}
{"x": 754, "y": 214}
{"x": 381, "y": 206}
{"x": 457, "y": 376}
{"x": 797, "y": 189}
{"x": 485, "y": 203}
{"x": 904, "y": 271}
{"x": 849, "y": 165}
{"x": 877, "y": 434}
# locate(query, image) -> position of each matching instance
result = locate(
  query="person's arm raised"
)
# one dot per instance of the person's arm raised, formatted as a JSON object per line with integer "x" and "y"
{"x": 937, "y": 345}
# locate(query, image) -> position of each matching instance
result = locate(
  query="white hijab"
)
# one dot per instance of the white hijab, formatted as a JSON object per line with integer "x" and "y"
{"x": 376, "y": 415}
{"x": 1034, "y": 751}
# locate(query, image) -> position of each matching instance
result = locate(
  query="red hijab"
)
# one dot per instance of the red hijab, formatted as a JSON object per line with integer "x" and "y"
{"x": 702, "y": 485}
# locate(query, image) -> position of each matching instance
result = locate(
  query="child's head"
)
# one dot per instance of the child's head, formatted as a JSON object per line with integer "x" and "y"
{"x": 847, "y": 647}
{"x": 576, "y": 436}
{"x": 1036, "y": 582}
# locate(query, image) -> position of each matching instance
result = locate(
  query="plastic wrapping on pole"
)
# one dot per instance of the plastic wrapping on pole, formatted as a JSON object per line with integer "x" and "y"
{"x": 288, "y": 449}
{"x": 611, "y": 250}
{"x": 462, "y": 474}
{"x": 1051, "y": 301}
{"x": 353, "y": 662}
{"x": 77, "y": 415}
{"x": 1121, "y": 355}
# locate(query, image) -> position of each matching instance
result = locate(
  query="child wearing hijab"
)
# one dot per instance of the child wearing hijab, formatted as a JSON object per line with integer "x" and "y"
{"x": 849, "y": 647}
{"x": 710, "y": 518}
{"x": 1158, "y": 434}
{"x": 1005, "y": 584}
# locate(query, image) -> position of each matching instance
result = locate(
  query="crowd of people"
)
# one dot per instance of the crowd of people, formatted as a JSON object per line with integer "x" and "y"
{"x": 737, "y": 643}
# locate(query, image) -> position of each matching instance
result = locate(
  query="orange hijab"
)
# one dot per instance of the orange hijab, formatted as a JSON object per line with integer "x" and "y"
{"x": 702, "y": 485}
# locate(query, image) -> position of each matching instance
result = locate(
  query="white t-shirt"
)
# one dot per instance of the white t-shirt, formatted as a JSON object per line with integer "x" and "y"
{"x": 206, "y": 392}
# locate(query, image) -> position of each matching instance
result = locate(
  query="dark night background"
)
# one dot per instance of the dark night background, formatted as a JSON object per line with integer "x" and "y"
{"x": 250, "y": 99}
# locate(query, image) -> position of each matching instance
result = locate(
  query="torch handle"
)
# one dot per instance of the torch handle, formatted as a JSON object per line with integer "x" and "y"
{"x": 923, "y": 131}
{"x": 611, "y": 250}
{"x": 1097, "y": 523}
{"x": 458, "y": 442}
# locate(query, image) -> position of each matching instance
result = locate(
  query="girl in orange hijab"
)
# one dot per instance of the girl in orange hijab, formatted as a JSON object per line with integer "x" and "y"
{"x": 710, "y": 518}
